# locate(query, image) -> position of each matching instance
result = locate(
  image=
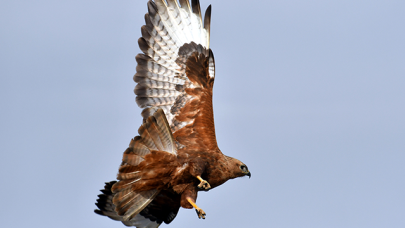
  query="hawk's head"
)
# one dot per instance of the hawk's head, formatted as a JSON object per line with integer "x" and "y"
{"x": 237, "y": 168}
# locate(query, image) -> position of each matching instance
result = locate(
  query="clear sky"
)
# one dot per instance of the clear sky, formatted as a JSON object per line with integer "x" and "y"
{"x": 309, "y": 94}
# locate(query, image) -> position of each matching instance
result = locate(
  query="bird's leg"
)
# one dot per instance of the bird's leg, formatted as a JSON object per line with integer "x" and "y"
{"x": 203, "y": 183}
{"x": 197, "y": 168}
{"x": 200, "y": 212}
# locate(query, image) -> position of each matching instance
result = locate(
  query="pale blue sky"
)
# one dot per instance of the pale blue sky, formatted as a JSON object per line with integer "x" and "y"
{"x": 309, "y": 94}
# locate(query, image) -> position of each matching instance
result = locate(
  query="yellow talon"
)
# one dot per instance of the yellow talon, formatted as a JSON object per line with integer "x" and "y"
{"x": 200, "y": 212}
{"x": 203, "y": 183}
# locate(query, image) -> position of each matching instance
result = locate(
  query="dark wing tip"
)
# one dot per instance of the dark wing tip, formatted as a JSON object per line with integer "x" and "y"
{"x": 152, "y": 8}
{"x": 207, "y": 23}
{"x": 207, "y": 18}
{"x": 185, "y": 4}
{"x": 195, "y": 5}
{"x": 98, "y": 211}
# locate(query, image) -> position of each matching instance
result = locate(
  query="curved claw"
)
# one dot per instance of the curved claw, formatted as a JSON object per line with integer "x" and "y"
{"x": 204, "y": 185}
{"x": 201, "y": 214}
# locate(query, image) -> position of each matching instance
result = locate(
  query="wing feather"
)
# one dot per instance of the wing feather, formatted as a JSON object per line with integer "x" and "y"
{"x": 174, "y": 32}
{"x": 207, "y": 25}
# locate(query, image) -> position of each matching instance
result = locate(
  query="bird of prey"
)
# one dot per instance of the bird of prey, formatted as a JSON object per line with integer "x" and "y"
{"x": 176, "y": 153}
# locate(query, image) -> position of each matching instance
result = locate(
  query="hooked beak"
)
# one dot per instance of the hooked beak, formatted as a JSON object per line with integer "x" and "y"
{"x": 248, "y": 174}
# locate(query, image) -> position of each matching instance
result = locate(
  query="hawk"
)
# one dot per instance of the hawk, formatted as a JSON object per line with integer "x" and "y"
{"x": 176, "y": 153}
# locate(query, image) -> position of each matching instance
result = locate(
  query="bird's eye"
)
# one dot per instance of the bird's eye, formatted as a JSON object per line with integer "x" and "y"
{"x": 243, "y": 168}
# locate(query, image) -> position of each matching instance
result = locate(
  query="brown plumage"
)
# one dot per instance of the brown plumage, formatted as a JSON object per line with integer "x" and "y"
{"x": 176, "y": 153}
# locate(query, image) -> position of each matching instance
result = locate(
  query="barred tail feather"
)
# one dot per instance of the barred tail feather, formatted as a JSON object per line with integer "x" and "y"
{"x": 155, "y": 135}
{"x": 105, "y": 204}
{"x": 139, "y": 202}
{"x": 107, "y": 208}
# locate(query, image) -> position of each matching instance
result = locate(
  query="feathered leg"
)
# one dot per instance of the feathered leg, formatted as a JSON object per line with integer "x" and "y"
{"x": 188, "y": 198}
{"x": 197, "y": 168}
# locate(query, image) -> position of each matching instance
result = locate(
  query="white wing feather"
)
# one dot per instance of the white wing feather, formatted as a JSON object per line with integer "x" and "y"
{"x": 168, "y": 27}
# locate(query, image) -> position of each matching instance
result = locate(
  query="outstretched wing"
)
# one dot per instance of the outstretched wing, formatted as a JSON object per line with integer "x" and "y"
{"x": 176, "y": 72}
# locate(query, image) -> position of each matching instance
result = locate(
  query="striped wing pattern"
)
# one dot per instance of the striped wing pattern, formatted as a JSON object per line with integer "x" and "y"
{"x": 171, "y": 34}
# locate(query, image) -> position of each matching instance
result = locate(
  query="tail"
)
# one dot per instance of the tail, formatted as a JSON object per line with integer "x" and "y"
{"x": 123, "y": 201}
{"x": 104, "y": 203}
{"x": 107, "y": 208}
{"x": 163, "y": 208}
